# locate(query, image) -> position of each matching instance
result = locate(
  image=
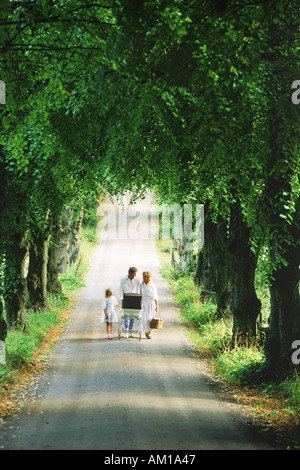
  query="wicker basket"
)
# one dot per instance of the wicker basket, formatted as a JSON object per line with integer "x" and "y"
{"x": 156, "y": 323}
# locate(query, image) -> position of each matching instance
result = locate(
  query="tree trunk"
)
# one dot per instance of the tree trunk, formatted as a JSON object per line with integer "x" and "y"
{"x": 37, "y": 273}
{"x": 245, "y": 306}
{"x": 223, "y": 273}
{"x": 285, "y": 302}
{"x": 15, "y": 287}
{"x": 199, "y": 268}
{"x": 285, "y": 316}
{"x": 53, "y": 284}
{"x": 283, "y": 220}
{"x": 64, "y": 241}
{"x": 75, "y": 232}
{"x": 216, "y": 275}
{"x": 3, "y": 325}
{"x": 209, "y": 265}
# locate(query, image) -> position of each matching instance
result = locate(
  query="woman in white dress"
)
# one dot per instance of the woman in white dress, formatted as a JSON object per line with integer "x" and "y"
{"x": 149, "y": 302}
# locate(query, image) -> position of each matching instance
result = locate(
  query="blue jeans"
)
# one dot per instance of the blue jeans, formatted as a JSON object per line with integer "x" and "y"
{"x": 128, "y": 323}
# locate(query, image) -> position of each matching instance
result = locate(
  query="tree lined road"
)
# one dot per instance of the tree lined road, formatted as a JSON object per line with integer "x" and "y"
{"x": 125, "y": 394}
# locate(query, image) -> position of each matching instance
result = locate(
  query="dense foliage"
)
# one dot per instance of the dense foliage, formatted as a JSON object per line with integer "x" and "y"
{"x": 191, "y": 99}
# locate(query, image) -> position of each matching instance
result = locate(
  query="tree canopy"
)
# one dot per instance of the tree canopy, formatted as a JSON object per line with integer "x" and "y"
{"x": 190, "y": 99}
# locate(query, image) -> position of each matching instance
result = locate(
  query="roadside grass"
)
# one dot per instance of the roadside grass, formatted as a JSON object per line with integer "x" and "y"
{"x": 212, "y": 337}
{"x": 21, "y": 345}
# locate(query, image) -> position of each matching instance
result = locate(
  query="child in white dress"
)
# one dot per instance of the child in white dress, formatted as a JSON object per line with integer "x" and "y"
{"x": 109, "y": 315}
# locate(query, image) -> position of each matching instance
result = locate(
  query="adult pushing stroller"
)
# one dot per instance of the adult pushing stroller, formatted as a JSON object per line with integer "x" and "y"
{"x": 131, "y": 309}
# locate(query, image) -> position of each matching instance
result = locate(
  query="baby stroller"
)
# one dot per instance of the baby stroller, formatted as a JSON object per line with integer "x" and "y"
{"x": 131, "y": 309}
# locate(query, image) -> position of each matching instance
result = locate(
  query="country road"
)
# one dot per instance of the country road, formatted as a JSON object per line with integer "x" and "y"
{"x": 125, "y": 394}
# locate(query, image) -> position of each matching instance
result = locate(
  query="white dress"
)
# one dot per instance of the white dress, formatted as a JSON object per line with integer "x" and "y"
{"x": 149, "y": 295}
{"x": 109, "y": 304}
